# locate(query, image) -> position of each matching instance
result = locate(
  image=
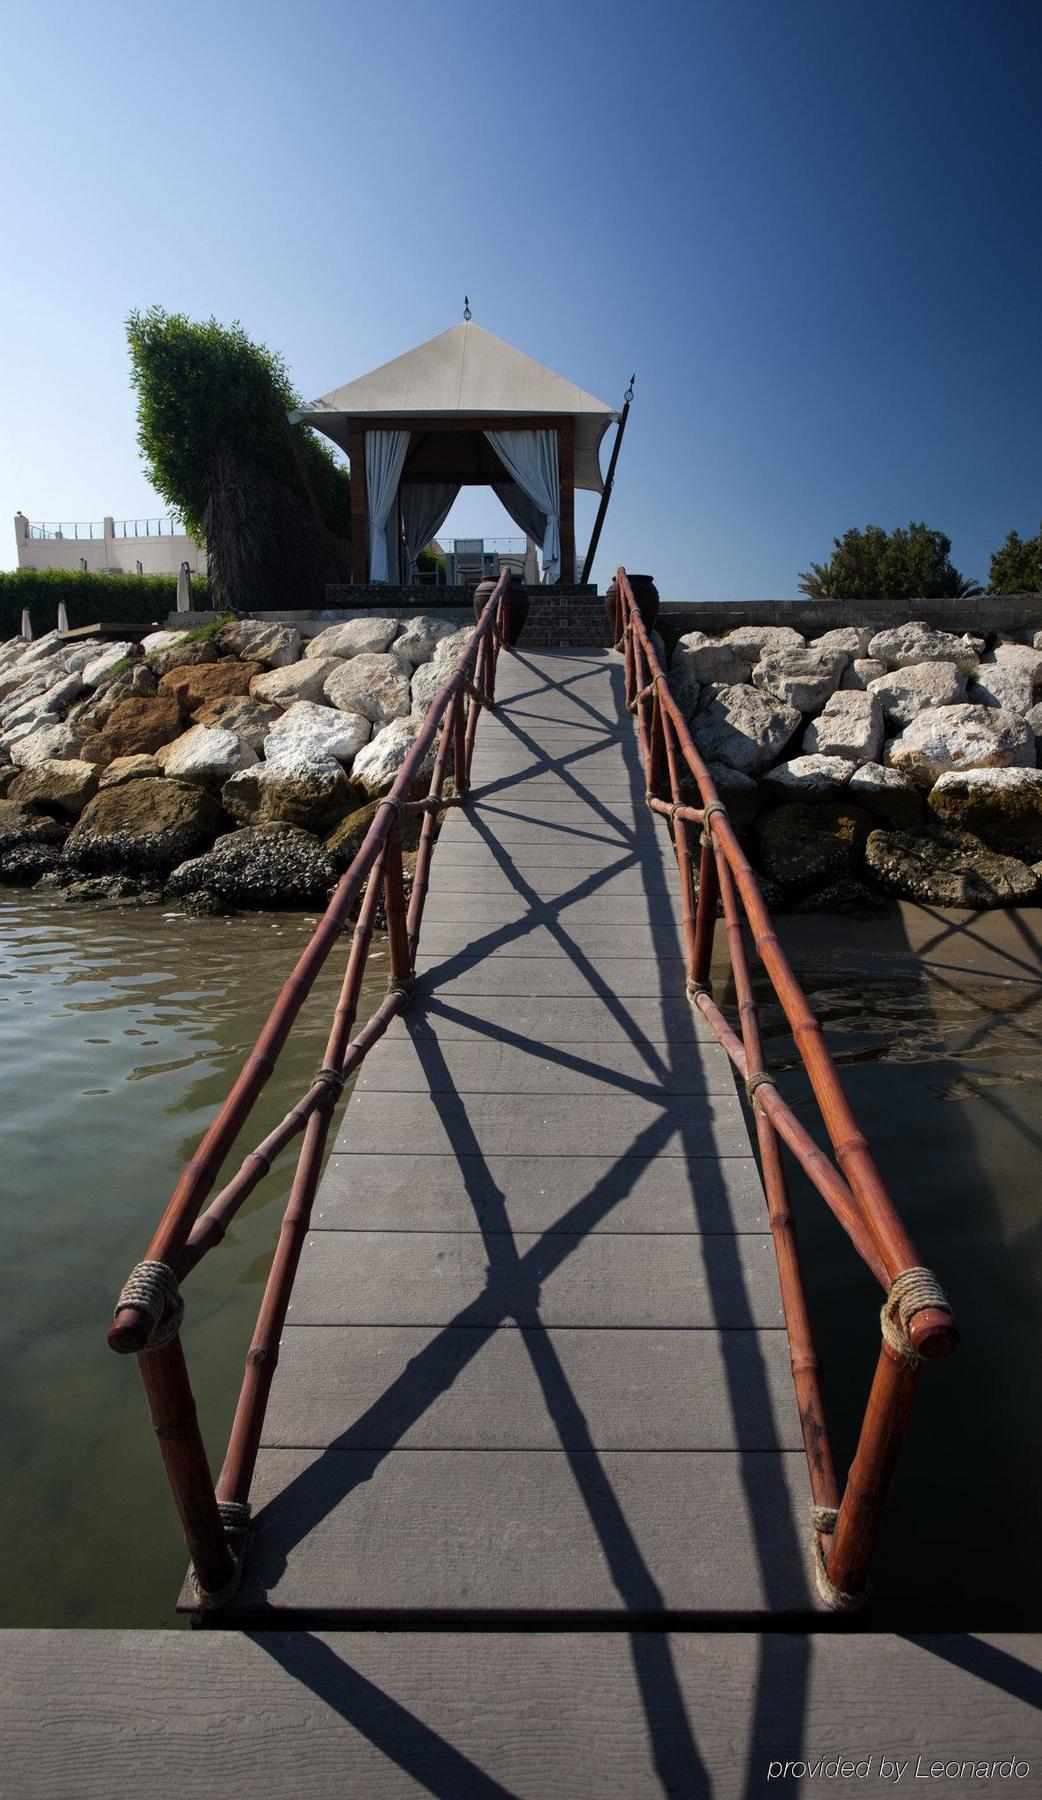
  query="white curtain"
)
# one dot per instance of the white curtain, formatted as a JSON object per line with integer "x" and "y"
{"x": 531, "y": 458}
{"x": 425, "y": 507}
{"x": 522, "y": 510}
{"x": 385, "y": 453}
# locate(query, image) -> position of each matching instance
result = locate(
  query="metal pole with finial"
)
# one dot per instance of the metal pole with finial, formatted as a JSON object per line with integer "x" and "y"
{"x": 466, "y": 306}
{"x": 595, "y": 538}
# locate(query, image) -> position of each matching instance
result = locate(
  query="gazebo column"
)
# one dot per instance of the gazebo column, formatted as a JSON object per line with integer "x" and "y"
{"x": 566, "y": 454}
{"x": 359, "y": 505}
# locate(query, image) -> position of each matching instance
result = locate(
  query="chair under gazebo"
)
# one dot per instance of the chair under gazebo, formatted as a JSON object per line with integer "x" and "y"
{"x": 464, "y": 409}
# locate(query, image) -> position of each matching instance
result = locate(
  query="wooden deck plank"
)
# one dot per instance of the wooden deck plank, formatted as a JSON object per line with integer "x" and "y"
{"x": 561, "y": 1124}
{"x": 461, "y": 906}
{"x": 481, "y": 1065}
{"x": 594, "y": 1279}
{"x": 420, "y": 1388}
{"x": 414, "y": 1533}
{"x": 414, "y": 1191}
{"x": 621, "y": 977}
{"x": 649, "y": 1022}
{"x": 528, "y": 937}
{"x": 546, "y": 1716}
{"x": 576, "y": 852}
{"x": 547, "y": 882}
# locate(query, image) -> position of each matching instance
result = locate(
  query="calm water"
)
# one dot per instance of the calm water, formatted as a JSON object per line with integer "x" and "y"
{"x": 119, "y": 1034}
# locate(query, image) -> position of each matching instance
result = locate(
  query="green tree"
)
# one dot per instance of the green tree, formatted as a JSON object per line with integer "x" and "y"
{"x": 1017, "y": 567}
{"x": 270, "y": 502}
{"x": 906, "y": 564}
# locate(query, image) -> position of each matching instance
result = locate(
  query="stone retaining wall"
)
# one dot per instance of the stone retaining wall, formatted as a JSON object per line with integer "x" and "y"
{"x": 986, "y": 612}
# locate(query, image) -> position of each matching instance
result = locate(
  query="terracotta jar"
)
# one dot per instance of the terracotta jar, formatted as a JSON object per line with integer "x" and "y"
{"x": 515, "y": 606}
{"x": 645, "y": 593}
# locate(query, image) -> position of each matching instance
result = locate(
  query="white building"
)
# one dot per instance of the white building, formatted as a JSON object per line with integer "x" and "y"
{"x": 108, "y": 546}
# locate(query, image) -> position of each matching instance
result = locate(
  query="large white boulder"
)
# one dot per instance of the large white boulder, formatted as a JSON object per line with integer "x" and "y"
{"x": 13, "y": 734}
{"x": 904, "y": 693}
{"x": 53, "y": 741}
{"x": 801, "y": 678}
{"x": 379, "y": 761}
{"x": 850, "y": 725}
{"x": 450, "y": 649}
{"x": 161, "y": 640}
{"x": 960, "y": 737}
{"x": 808, "y": 778}
{"x": 753, "y": 642}
{"x": 1004, "y": 684}
{"x": 1024, "y": 656}
{"x": 684, "y": 684}
{"x": 861, "y": 671}
{"x": 303, "y": 680}
{"x": 377, "y": 686}
{"x": 427, "y": 681}
{"x": 206, "y": 753}
{"x": 276, "y": 646}
{"x": 103, "y": 661}
{"x": 917, "y": 642}
{"x": 306, "y": 729}
{"x": 367, "y": 634}
{"x": 745, "y": 729}
{"x": 852, "y": 640}
{"x": 417, "y": 642}
{"x": 712, "y": 659}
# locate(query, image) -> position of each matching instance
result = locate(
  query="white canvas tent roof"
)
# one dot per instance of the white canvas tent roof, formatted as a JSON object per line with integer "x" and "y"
{"x": 466, "y": 370}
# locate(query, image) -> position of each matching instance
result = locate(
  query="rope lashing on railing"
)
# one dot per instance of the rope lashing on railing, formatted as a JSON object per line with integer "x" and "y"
{"x": 213, "y": 1601}
{"x": 401, "y": 984}
{"x": 758, "y": 1081}
{"x": 332, "y": 1079}
{"x": 824, "y": 1519}
{"x": 391, "y": 800}
{"x": 152, "y": 1288}
{"x": 911, "y": 1292}
{"x": 694, "y": 988}
{"x": 235, "y": 1517}
{"x": 713, "y": 806}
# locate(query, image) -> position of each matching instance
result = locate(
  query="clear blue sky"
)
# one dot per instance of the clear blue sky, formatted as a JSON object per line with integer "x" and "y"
{"x": 812, "y": 228}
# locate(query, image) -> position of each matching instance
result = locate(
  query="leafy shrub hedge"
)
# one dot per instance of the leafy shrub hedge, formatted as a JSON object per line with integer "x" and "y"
{"x": 89, "y": 599}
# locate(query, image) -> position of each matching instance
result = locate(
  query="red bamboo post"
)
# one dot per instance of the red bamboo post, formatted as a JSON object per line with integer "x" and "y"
{"x": 627, "y": 635}
{"x": 803, "y": 1356}
{"x": 263, "y": 1355}
{"x": 421, "y": 876}
{"x": 705, "y": 910}
{"x": 461, "y": 774}
{"x": 473, "y": 710}
{"x": 394, "y": 907}
{"x": 883, "y": 1429}
{"x": 681, "y": 849}
{"x": 656, "y": 747}
{"x": 171, "y": 1405}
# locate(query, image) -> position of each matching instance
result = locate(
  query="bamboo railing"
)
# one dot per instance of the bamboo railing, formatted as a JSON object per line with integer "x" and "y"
{"x": 916, "y": 1319}
{"x": 148, "y": 1315}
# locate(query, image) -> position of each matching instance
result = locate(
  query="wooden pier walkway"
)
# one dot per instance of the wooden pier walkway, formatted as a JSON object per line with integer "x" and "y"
{"x": 535, "y": 1366}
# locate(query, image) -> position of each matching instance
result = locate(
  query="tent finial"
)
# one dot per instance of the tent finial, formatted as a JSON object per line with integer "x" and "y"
{"x": 466, "y": 306}
{"x": 628, "y": 395}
